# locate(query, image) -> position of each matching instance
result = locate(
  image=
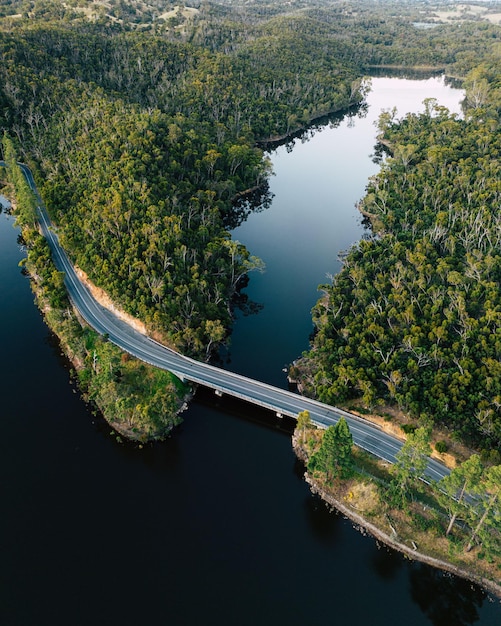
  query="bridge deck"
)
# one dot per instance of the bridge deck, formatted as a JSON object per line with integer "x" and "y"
{"x": 365, "y": 435}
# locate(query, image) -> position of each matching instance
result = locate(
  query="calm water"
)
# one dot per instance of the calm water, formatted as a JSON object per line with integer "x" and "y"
{"x": 214, "y": 526}
{"x": 313, "y": 218}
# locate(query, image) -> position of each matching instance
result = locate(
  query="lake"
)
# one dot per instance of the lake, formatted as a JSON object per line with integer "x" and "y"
{"x": 215, "y": 525}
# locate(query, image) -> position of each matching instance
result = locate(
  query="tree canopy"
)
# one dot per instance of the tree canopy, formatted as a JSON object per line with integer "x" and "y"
{"x": 334, "y": 456}
{"x": 413, "y": 318}
{"x": 143, "y": 128}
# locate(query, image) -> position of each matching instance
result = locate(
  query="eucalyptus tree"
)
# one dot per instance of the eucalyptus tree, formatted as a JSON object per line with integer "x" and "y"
{"x": 488, "y": 526}
{"x": 410, "y": 465}
{"x": 453, "y": 490}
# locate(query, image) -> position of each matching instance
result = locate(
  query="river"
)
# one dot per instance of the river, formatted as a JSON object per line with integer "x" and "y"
{"x": 215, "y": 525}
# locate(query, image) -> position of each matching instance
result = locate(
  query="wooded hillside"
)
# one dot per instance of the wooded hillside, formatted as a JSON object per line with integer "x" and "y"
{"x": 414, "y": 317}
{"x": 141, "y": 122}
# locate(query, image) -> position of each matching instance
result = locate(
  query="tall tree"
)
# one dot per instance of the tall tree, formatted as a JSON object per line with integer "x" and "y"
{"x": 25, "y": 198}
{"x": 334, "y": 457}
{"x": 453, "y": 489}
{"x": 302, "y": 426}
{"x": 489, "y": 503}
{"x": 410, "y": 465}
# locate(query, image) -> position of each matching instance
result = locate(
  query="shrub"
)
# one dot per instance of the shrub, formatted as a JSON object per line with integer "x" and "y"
{"x": 441, "y": 447}
{"x": 409, "y": 428}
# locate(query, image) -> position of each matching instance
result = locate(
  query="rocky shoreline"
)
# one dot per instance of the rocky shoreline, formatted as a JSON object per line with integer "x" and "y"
{"x": 361, "y": 522}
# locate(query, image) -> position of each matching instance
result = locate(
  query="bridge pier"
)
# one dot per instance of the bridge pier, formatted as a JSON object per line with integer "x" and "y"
{"x": 179, "y": 375}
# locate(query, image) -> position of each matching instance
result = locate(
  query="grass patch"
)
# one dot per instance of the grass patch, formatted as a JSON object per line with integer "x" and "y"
{"x": 418, "y": 529}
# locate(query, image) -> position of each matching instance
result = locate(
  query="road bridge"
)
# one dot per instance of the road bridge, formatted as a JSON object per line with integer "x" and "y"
{"x": 283, "y": 402}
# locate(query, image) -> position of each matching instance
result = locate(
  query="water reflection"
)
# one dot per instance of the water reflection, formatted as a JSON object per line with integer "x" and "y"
{"x": 4, "y": 204}
{"x": 324, "y": 525}
{"x": 242, "y": 302}
{"x": 386, "y": 563}
{"x": 171, "y": 504}
{"x": 261, "y": 198}
{"x": 253, "y": 201}
{"x": 404, "y": 72}
{"x": 445, "y": 599}
{"x": 380, "y": 151}
{"x": 330, "y": 122}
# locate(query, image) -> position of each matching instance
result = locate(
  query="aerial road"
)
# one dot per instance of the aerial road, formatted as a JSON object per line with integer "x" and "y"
{"x": 283, "y": 402}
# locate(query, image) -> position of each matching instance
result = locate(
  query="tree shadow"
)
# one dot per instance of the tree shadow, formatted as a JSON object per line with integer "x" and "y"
{"x": 445, "y": 599}
{"x": 253, "y": 201}
{"x": 241, "y": 301}
{"x": 324, "y": 524}
{"x": 386, "y": 562}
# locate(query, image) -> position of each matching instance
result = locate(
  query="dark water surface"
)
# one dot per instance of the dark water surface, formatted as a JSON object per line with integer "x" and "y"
{"x": 214, "y": 526}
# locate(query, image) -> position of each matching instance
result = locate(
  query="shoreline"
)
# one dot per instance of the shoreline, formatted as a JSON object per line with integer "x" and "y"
{"x": 380, "y": 535}
{"x": 276, "y": 140}
{"x": 270, "y": 143}
{"x": 139, "y": 433}
{"x": 488, "y": 585}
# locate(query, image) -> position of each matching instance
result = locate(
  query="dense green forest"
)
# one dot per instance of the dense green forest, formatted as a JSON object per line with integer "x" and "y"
{"x": 414, "y": 318}
{"x": 141, "y": 144}
{"x": 139, "y": 401}
{"x": 142, "y": 122}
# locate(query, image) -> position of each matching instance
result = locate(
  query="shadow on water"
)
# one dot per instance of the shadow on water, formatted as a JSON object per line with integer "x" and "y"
{"x": 442, "y": 597}
{"x": 385, "y": 563}
{"x": 380, "y": 152}
{"x": 213, "y": 525}
{"x": 324, "y": 524}
{"x": 331, "y": 121}
{"x": 253, "y": 201}
{"x": 457, "y": 603}
{"x": 242, "y": 302}
{"x": 404, "y": 72}
{"x": 242, "y": 410}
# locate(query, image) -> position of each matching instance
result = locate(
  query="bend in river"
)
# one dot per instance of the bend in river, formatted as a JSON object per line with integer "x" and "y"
{"x": 216, "y": 524}
{"x": 313, "y": 218}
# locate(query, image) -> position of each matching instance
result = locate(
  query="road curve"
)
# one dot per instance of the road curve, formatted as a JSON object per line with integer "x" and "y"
{"x": 365, "y": 434}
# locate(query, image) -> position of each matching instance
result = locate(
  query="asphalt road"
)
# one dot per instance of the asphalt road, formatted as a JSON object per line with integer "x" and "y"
{"x": 365, "y": 434}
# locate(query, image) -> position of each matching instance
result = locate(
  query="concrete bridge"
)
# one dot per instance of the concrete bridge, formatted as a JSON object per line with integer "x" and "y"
{"x": 282, "y": 402}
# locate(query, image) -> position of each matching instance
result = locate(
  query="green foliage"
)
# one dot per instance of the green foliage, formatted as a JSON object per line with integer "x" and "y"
{"x": 50, "y": 282}
{"x": 453, "y": 490}
{"x": 304, "y": 428}
{"x": 441, "y": 447}
{"x": 485, "y": 516}
{"x": 409, "y": 428}
{"x": 334, "y": 457}
{"x": 414, "y": 314}
{"x": 491, "y": 457}
{"x": 303, "y": 421}
{"x": 26, "y": 203}
{"x": 144, "y": 130}
{"x": 409, "y": 467}
{"x": 140, "y": 401}
{"x": 142, "y": 145}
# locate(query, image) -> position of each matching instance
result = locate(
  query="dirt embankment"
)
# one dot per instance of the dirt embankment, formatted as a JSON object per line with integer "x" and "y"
{"x": 104, "y": 300}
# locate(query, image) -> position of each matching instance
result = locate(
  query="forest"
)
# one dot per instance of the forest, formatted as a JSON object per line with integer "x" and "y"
{"x": 143, "y": 123}
{"x": 414, "y": 317}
